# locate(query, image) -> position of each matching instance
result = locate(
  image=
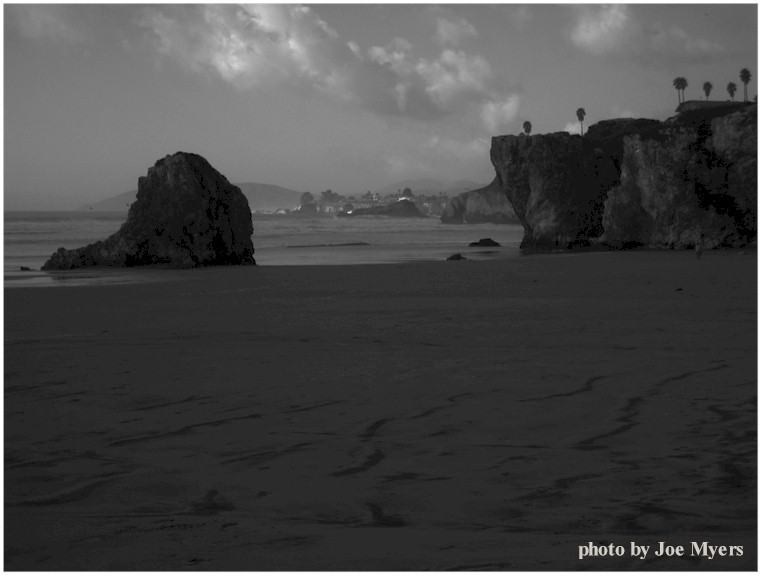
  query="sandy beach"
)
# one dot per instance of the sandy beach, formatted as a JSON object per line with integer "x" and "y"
{"x": 491, "y": 415}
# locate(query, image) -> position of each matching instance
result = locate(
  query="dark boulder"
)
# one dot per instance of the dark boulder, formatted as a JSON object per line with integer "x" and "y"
{"x": 484, "y": 242}
{"x": 457, "y": 256}
{"x": 186, "y": 215}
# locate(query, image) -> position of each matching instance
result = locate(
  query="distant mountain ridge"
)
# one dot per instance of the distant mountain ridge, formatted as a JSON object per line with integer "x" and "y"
{"x": 260, "y": 196}
{"x": 271, "y": 196}
{"x": 118, "y": 203}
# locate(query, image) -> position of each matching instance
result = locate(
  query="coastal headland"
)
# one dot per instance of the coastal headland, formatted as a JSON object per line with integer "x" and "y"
{"x": 631, "y": 183}
{"x": 427, "y": 416}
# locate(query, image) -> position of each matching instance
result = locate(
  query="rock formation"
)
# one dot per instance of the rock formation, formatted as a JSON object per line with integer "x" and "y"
{"x": 635, "y": 182}
{"x": 487, "y": 242}
{"x": 484, "y": 205}
{"x": 186, "y": 214}
{"x": 687, "y": 181}
{"x": 556, "y": 186}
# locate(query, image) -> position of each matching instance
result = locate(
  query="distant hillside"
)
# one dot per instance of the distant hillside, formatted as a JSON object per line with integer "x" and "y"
{"x": 260, "y": 197}
{"x": 269, "y": 196}
{"x": 118, "y": 203}
{"x": 428, "y": 186}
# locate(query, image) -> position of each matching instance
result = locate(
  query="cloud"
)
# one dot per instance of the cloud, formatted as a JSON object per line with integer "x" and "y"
{"x": 497, "y": 116}
{"x": 274, "y": 44}
{"x": 601, "y": 29}
{"x": 615, "y": 30}
{"x": 574, "y": 128}
{"x": 249, "y": 45}
{"x": 454, "y": 75}
{"x": 45, "y": 22}
{"x": 453, "y": 31}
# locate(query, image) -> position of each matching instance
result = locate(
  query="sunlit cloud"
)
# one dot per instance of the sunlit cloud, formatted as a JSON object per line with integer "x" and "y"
{"x": 498, "y": 116}
{"x": 601, "y": 29}
{"x": 454, "y": 75}
{"x": 254, "y": 46}
{"x": 615, "y": 30}
{"x": 451, "y": 31}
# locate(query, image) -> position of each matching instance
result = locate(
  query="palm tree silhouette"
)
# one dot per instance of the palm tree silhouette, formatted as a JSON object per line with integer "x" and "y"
{"x": 707, "y": 87}
{"x": 680, "y": 84}
{"x": 677, "y": 86}
{"x": 745, "y": 76}
{"x": 581, "y": 116}
{"x": 527, "y": 127}
{"x": 731, "y": 88}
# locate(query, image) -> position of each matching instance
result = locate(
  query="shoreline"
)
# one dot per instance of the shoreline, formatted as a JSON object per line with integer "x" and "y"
{"x": 131, "y": 275}
{"x": 422, "y": 416}
{"x": 363, "y": 242}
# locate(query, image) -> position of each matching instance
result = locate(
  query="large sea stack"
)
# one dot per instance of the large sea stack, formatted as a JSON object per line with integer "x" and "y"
{"x": 186, "y": 215}
{"x": 638, "y": 182}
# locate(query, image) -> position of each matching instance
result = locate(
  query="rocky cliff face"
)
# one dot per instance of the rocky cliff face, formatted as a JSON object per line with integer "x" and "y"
{"x": 556, "y": 186}
{"x": 687, "y": 181}
{"x": 635, "y": 182}
{"x": 186, "y": 215}
{"x": 487, "y": 204}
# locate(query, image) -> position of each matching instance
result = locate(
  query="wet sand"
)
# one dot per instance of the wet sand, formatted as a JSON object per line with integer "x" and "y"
{"x": 425, "y": 416}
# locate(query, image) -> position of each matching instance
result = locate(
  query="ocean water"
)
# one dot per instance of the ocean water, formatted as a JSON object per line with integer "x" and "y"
{"x": 31, "y": 237}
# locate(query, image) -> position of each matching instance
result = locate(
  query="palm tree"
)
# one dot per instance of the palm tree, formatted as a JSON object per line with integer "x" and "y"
{"x": 581, "y": 116}
{"x": 745, "y": 76}
{"x": 680, "y": 84}
{"x": 677, "y": 86}
{"x": 731, "y": 88}
{"x": 527, "y": 127}
{"x": 707, "y": 87}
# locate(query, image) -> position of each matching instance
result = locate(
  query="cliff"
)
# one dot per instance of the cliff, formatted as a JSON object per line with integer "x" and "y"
{"x": 687, "y": 181}
{"x": 486, "y": 204}
{"x": 635, "y": 182}
{"x": 556, "y": 186}
{"x": 186, "y": 214}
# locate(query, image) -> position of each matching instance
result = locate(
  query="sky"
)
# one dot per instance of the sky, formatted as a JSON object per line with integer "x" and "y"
{"x": 351, "y": 97}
